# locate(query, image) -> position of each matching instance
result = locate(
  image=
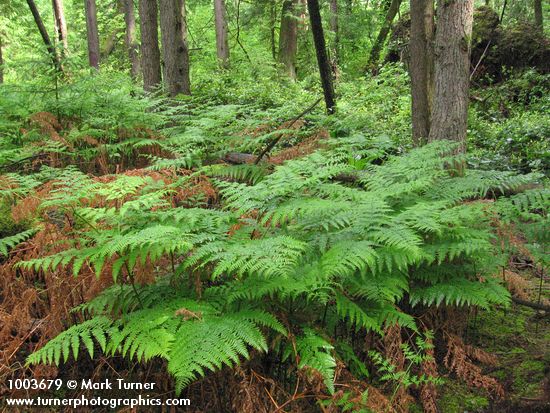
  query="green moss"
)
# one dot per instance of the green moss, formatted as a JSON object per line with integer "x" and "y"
{"x": 457, "y": 397}
{"x": 7, "y": 225}
{"x": 528, "y": 376}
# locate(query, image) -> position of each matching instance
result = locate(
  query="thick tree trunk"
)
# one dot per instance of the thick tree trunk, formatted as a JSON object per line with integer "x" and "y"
{"x": 321, "y": 51}
{"x": 92, "y": 33}
{"x": 222, "y": 44}
{"x": 452, "y": 70}
{"x": 150, "y": 53}
{"x": 174, "y": 46}
{"x": 538, "y": 14}
{"x": 384, "y": 31}
{"x": 60, "y": 24}
{"x": 1, "y": 62}
{"x": 421, "y": 67}
{"x": 288, "y": 37}
{"x": 131, "y": 39}
{"x": 333, "y": 25}
{"x": 44, "y": 33}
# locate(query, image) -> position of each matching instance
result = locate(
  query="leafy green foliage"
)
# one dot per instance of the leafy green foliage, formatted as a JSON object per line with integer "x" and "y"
{"x": 11, "y": 241}
{"x": 299, "y": 236}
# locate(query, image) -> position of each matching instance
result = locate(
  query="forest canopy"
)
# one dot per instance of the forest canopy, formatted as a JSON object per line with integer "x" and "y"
{"x": 276, "y": 205}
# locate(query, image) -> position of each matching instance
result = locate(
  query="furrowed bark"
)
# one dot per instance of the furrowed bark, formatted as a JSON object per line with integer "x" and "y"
{"x": 131, "y": 39}
{"x": 452, "y": 71}
{"x": 150, "y": 52}
{"x": 421, "y": 68}
{"x": 61, "y": 24}
{"x": 288, "y": 37}
{"x": 174, "y": 46}
{"x": 92, "y": 33}
{"x": 222, "y": 44}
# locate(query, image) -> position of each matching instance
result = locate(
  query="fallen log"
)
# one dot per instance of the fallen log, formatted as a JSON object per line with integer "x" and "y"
{"x": 535, "y": 306}
{"x": 238, "y": 158}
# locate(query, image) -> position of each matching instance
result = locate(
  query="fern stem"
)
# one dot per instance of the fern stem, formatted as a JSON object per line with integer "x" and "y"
{"x": 132, "y": 282}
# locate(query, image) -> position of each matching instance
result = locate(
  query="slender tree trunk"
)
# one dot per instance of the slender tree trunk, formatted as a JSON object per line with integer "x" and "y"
{"x": 150, "y": 53}
{"x": 92, "y": 33}
{"x": 333, "y": 25}
{"x": 131, "y": 39}
{"x": 44, "y": 33}
{"x": 174, "y": 46}
{"x": 1, "y": 62}
{"x": 60, "y": 24}
{"x": 452, "y": 70}
{"x": 222, "y": 44}
{"x": 321, "y": 51}
{"x": 384, "y": 31}
{"x": 272, "y": 23}
{"x": 288, "y": 37}
{"x": 503, "y": 10}
{"x": 538, "y": 14}
{"x": 421, "y": 67}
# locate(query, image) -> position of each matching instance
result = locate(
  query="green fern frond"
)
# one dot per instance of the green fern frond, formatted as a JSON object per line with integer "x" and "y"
{"x": 314, "y": 352}
{"x": 69, "y": 342}
{"x": 12, "y": 241}
{"x": 461, "y": 292}
{"x": 357, "y": 316}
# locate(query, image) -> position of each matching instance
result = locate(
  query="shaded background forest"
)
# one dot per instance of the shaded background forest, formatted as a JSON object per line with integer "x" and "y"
{"x": 223, "y": 235}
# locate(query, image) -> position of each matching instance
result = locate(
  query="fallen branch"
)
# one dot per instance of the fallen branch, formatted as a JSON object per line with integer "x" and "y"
{"x": 238, "y": 158}
{"x": 480, "y": 59}
{"x": 274, "y": 142}
{"x": 536, "y": 306}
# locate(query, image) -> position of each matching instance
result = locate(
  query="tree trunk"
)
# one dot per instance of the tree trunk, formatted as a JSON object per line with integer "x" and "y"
{"x": 44, "y": 33}
{"x": 288, "y": 37}
{"x": 60, "y": 24}
{"x": 150, "y": 53}
{"x": 333, "y": 25}
{"x": 503, "y": 10}
{"x": 272, "y": 23}
{"x": 92, "y": 33}
{"x": 174, "y": 46}
{"x": 321, "y": 51}
{"x": 538, "y": 14}
{"x": 131, "y": 39}
{"x": 222, "y": 44}
{"x": 1, "y": 62}
{"x": 421, "y": 67}
{"x": 452, "y": 70}
{"x": 384, "y": 31}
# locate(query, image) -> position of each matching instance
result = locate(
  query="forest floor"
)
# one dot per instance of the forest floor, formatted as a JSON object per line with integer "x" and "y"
{"x": 520, "y": 338}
